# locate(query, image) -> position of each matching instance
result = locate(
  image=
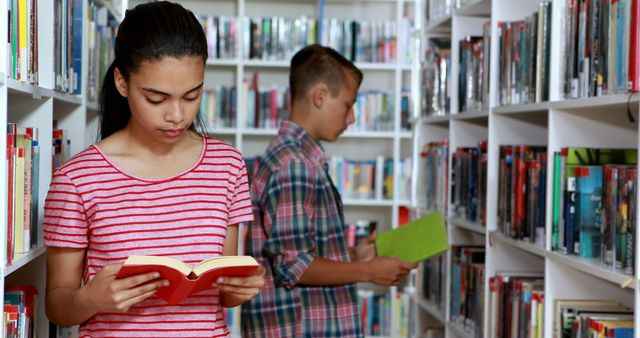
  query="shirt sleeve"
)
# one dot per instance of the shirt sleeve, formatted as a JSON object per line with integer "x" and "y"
{"x": 288, "y": 214}
{"x": 65, "y": 221}
{"x": 240, "y": 209}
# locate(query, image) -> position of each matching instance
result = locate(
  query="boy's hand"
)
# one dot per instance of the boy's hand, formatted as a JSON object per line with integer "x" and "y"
{"x": 388, "y": 271}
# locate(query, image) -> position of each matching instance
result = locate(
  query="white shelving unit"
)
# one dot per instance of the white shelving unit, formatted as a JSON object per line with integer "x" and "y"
{"x": 39, "y": 106}
{"x": 592, "y": 122}
{"x": 390, "y": 77}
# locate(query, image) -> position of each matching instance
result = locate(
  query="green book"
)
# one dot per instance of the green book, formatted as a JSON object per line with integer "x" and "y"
{"x": 415, "y": 241}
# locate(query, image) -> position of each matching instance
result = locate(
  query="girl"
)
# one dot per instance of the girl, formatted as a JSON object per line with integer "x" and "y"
{"x": 151, "y": 186}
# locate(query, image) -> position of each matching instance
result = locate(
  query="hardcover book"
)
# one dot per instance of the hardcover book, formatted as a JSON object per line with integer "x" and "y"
{"x": 184, "y": 280}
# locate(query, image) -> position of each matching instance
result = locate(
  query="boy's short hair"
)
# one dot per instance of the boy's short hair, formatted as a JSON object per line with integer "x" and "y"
{"x": 314, "y": 64}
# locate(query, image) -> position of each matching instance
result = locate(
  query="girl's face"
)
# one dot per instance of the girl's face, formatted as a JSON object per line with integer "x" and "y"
{"x": 164, "y": 97}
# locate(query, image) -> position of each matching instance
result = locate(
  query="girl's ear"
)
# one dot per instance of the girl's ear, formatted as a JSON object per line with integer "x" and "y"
{"x": 120, "y": 81}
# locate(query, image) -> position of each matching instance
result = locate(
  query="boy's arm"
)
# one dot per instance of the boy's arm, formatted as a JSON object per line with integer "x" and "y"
{"x": 291, "y": 237}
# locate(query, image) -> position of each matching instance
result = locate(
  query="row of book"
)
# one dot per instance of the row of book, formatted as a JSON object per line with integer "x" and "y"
{"x": 22, "y": 40}
{"x": 516, "y": 305}
{"x": 23, "y": 164}
{"x": 359, "y": 230}
{"x": 525, "y": 58}
{"x": 437, "y": 10}
{"x": 378, "y": 42}
{"x": 267, "y": 106}
{"x": 434, "y": 176}
{"x": 473, "y": 84}
{"x": 467, "y": 288}
{"x": 469, "y": 183}
{"x": 367, "y": 179}
{"x": 435, "y": 80}
{"x": 279, "y": 38}
{"x": 521, "y": 192}
{"x": 376, "y": 311}
{"x": 601, "y": 47}
{"x": 592, "y": 318}
{"x": 67, "y": 37}
{"x": 101, "y": 39}
{"x": 19, "y": 315}
{"x": 594, "y": 204}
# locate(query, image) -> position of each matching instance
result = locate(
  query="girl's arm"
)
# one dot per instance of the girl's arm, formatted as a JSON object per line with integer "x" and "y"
{"x": 237, "y": 290}
{"x": 69, "y": 303}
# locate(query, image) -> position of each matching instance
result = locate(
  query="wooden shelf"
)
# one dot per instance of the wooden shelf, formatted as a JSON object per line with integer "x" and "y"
{"x": 594, "y": 267}
{"x": 525, "y": 246}
{"x": 20, "y": 260}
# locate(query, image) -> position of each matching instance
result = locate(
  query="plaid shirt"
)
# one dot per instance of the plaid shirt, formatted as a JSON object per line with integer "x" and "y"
{"x": 298, "y": 216}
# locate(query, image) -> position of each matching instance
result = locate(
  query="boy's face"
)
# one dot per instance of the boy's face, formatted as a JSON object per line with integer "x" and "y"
{"x": 337, "y": 112}
{"x": 164, "y": 96}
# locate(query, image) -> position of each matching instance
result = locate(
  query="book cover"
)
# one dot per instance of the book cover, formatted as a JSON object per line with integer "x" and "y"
{"x": 183, "y": 279}
{"x": 415, "y": 241}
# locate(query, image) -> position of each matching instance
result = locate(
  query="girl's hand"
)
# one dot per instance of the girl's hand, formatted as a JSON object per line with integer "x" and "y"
{"x": 105, "y": 293}
{"x": 241, "y": 289}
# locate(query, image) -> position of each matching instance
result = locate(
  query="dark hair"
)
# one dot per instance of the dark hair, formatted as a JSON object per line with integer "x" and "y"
{"x": 148, "y": 32}
{"x": 315, "y": 63}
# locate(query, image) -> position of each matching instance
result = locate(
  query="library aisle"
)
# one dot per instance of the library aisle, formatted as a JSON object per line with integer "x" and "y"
{"x": 518, "y": 119}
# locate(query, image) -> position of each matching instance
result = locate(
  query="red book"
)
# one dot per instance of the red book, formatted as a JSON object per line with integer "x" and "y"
{"x": 634, "y": 48}
{"x": 183, "y": 280}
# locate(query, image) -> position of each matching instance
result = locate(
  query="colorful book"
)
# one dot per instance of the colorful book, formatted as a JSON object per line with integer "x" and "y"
{"x": 415, "y": 241}
{"x": 183, "y": 279}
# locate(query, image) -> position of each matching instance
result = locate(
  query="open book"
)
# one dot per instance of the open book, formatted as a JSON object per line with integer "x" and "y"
{"x": 183, "y": 280}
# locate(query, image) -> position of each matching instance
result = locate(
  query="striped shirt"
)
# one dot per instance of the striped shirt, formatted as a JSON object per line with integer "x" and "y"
{"x": 298, "y": 216}
{"x": 93, "y": 204}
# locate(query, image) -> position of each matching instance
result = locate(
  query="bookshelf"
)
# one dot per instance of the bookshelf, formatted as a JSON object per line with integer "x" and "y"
{"x": 39, "y": 105}
{"x": 597, "y": 122}
{"x": 394, "y": 143}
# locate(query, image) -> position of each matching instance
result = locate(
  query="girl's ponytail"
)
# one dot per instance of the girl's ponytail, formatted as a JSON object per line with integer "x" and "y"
{"x": 114, "y": 108}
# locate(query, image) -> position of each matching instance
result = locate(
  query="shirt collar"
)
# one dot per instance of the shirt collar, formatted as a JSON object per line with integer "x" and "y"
{"x": 309, "y": 145}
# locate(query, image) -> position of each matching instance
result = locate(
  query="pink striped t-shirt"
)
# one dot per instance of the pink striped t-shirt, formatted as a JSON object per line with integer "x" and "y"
{"x": 95, "y": 205}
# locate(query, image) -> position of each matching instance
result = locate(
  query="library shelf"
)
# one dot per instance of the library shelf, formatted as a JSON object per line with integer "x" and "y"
{"x": 24, "y": 89}
{"x": 66, "y": 98}
{"x": 472, "y": 115}
{"x": 361, "y": 202}
{"x": 222, "y": 62}
{"x": 522, "y": 108}
{"x": 617, "y": 101}
{"x": 439, "y": 25}
{"x": 222, "y": 131}
{"x": 93, "y": 106}
{"x": 428, "y": 307}
{"x": 438, "y": 119}
{"x": 594, "y": 267}
{"x": 23, "y": 259}
{"x": 462, "y": 223}
{"x": 458, "y": 330}
{"x": 116, "y": 15}
{"x": 475, "y": 8}
{"x": 522, "y": 245}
